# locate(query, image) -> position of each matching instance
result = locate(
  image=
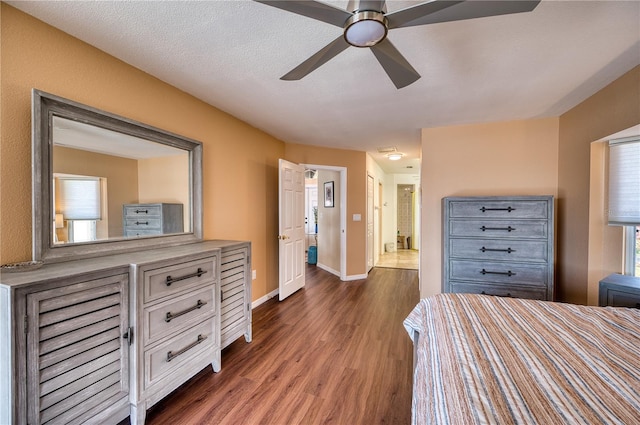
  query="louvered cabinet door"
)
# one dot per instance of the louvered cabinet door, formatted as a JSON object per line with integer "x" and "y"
{"x": 235, "y": 298}
{"x": 76, "y": 355}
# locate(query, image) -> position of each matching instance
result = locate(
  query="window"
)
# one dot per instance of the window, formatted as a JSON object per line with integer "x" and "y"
{"x": 82, "y": 230}
{"x": 632, "y": 251}
{"x": 624, "y": 196}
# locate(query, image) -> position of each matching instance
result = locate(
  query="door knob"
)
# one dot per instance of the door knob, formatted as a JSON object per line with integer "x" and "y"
{"x": 283, "y": 237}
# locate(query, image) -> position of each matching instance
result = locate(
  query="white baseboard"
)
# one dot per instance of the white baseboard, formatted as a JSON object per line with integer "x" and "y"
{"x": 328, "y": 269}
{"x": 356, "y": 277}
{"x": 264, "y": 299}
{"x": 337, "y": 273}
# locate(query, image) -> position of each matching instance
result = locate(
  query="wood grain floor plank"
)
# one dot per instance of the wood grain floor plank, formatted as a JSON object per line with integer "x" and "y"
{"x": 332, "y": 353}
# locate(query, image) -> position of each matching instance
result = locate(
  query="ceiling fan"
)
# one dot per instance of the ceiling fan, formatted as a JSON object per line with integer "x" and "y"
{"x": 367, "y": 25}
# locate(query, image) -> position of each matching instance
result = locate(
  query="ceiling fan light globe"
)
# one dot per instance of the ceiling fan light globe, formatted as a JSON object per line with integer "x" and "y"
{"x": 365, "y": 29}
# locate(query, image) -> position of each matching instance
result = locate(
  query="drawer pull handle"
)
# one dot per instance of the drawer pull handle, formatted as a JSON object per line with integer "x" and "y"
{"x": 508, "y": 209}
{"x": 171, "y": 355}
{"x": 171, "y": 316}
{"x": 508, "y": 229}
{"x": 508, "y": 250}
{"x": 142, "y": 222}
{"x": 494, "y": 295}
{"x": 198, "y": 273}
{"x": 142, "y": 211}
{"x": 507, "y": 273}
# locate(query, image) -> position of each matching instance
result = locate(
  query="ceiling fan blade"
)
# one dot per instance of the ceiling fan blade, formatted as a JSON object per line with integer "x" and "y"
{"x": 395, "y": 65}
{"x": 317, "y": 60}
{"x": 446, "y": 11}
{"x": 377, "y": 5}
{"x": 312, "y": 9}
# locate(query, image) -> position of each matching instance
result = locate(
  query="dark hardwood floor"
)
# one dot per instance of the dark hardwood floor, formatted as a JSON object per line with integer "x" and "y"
{"x": 332, "y": 353}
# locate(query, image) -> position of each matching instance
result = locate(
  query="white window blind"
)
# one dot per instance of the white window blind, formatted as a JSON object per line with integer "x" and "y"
{"x": 624, "y": 182}
{"x": 79, "y": 198}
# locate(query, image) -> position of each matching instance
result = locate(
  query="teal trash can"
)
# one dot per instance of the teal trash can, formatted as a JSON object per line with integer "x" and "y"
{"x": 312, "y": 255}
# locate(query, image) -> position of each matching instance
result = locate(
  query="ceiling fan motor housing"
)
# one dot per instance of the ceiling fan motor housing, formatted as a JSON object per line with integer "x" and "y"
{"x": 365, "y": 28}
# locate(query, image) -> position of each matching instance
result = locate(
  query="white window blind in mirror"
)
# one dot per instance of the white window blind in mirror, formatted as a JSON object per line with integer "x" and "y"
{"x": 624, "y": 181}
{"x": 79, "y": 198}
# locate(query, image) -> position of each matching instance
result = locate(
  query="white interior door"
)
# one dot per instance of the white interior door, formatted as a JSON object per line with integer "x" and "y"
{"x": 291, "y": 234}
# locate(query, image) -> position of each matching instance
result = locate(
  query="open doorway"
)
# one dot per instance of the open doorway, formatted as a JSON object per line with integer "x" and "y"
{"x": 404, "y": 254}
{"x": 325, "y": 218}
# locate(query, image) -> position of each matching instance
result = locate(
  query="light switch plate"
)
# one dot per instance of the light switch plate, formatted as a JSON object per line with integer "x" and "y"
{"x": 357, "y": 217}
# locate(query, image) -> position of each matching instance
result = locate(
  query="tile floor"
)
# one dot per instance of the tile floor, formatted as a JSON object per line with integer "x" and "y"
{"x": 401, "y": 259}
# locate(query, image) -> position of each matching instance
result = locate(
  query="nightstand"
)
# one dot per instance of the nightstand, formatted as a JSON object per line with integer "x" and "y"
{"x": 617, "y": 290}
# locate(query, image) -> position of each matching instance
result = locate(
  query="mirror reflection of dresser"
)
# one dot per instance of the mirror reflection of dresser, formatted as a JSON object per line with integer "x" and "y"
{"x": 152, "y": 219}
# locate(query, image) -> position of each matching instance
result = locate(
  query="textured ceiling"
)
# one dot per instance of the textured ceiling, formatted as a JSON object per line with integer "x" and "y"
{"x": 231, "y": 54}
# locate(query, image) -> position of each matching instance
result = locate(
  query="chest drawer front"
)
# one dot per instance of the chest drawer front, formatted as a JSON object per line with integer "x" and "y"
{"x": 141, "y": 211}
{"x": 142, "y": 223}
{"x": 173, "y": 279}
{"x": 511, "y": 273}
{"x": 176, "y": 314}
{"x": 533, "y": 293}
{"x": 503, "y": 229}
{"x": 497, "y": 249}
{"x": 177, "y": 352}
{"x": 147, "y": 232}
{"x": 499, "y": 209}
{"x": 622, "y": 298}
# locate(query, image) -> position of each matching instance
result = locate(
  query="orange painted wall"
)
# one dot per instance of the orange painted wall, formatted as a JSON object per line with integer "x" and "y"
{"x": 240, "y": 162}
{"x": 508, "y": 158}
{"x": 356, "y": 164}
{"x": 612, "y": 109}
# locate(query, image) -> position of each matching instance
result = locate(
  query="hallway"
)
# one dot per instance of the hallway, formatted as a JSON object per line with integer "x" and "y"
{"x": 401, "y": 259}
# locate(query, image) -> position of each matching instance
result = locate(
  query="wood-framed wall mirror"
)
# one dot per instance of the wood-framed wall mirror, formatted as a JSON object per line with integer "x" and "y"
{"x": 105, "y": 184}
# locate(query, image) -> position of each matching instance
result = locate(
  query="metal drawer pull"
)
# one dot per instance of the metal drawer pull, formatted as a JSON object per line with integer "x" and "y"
{"x": 494, "y": 295}
{"x": 198, "y": 273}
{"x": 508, "y": 229}
{"x": 507, "y": 273}
{"x": 171, "y": 355}
{"x": 142, "y": 211}
{"x": 142, "y": 222}
{"x": 508, "y": 250}
{"x": 508, "y": 209}
{"x": 173, "y": 316}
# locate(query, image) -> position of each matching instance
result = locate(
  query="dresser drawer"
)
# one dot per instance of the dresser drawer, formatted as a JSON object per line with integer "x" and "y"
{"x": 143, "y": 223}
{"x": 503, "y": 229}
{"x": 533, "y": 293}
{"x": 141, "y": 210}
{"x": 178, "y": 313}
{"x": 498, "y": 249}
{"x": 147, "y": 232}
{"x": 622, "y": 298}
{"x": 177, "y": 352}
{"x": 499, "y": 209}
{"x": 512, "y": 273}
{"x": 176, "y": 278}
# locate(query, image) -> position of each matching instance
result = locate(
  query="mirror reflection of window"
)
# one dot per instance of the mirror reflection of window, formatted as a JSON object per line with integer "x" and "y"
{"x": 79, "y": 205}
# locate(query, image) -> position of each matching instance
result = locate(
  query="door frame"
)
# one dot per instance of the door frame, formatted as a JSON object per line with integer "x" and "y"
{"x": 343, "y": 212}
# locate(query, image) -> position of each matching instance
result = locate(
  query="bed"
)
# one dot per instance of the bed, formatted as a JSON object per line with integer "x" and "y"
{"x": 489, "y": 360}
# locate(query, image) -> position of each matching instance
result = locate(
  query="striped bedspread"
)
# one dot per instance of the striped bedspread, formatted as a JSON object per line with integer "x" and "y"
{"x": 491, "y": 360}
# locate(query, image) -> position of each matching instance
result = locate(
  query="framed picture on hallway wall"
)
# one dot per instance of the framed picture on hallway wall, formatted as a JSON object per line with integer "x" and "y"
{"x": 328, "y": 194}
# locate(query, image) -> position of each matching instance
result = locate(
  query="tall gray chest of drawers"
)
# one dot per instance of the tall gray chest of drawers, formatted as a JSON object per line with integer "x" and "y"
{"x": 499, "y": 246}
{"x": 152, "y": 219}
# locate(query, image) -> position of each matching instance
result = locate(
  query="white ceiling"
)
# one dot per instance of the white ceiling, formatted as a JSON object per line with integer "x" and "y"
{"x": 231, "y": 55}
